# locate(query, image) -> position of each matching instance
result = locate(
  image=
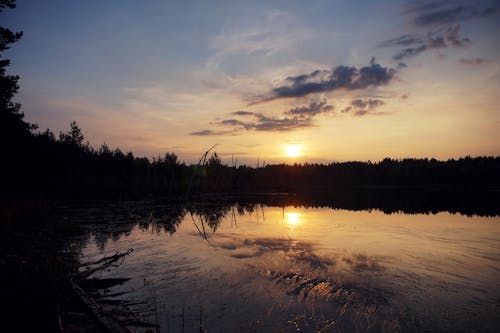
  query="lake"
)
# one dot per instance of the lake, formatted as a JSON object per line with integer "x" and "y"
{"x": 269, "y": 267}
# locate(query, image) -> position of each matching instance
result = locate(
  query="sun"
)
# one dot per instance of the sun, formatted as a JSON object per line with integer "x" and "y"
{"x": 293, "y": 150}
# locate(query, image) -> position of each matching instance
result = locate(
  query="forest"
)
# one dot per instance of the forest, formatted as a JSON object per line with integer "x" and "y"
{"x": 40, "y": 163}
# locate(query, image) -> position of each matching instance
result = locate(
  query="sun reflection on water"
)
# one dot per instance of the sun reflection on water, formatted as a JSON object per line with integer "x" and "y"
{"x": 292, "y": 219}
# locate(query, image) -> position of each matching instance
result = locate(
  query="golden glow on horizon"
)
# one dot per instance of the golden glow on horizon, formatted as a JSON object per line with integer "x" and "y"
{"x": 293, "y": 150}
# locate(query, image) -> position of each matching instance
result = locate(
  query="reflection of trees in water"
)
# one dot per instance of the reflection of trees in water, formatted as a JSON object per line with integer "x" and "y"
{"x": 113, "y": 221}
{"x": 163, "y": 220}
{"x": 211, "y": 217}
{"x": 110, "y": 223}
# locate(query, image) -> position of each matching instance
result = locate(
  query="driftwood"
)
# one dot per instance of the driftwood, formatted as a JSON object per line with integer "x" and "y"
{"x": 103, "y": 263}
{"x": 107, "y": 321}
{"x": 113, "y": 258}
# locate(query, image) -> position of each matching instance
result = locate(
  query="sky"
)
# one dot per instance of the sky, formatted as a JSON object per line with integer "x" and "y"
{"x": 265, "y": 81}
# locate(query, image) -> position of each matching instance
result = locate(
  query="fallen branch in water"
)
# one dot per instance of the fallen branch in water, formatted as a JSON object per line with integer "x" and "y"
{"x": 107, "y": 262}
{"x": 112, "y": 258}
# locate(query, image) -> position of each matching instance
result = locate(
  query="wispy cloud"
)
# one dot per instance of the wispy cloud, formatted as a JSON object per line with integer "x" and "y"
{"x": 437, "y": 39}
{"x": 442, "y": 18}
{"x": 447, "y": 12}
{"x": 208, "y": 132}
{"x": 269, "y": 36}
{"x": 404, "y": 40}
{"x": 340, "y": 77}
{"x": 472, "y": 61}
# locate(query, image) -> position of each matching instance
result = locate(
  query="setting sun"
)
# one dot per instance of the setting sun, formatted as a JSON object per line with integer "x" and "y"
{"x": 293, "y": 150}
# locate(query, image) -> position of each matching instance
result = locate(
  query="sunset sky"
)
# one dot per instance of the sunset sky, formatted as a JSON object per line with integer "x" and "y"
{"x": 274, "y": 81}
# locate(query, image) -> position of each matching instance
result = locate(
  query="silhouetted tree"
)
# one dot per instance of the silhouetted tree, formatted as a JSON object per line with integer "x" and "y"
{"x": 12, "y": 124}
{"x": 171, "y": 159}
{"x": 74, "y": 136}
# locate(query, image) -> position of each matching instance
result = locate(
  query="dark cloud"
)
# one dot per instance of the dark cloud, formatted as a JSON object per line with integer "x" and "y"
{"x": 409, "y": 52}
{"x": 452, "y": 14}
{"x": 242, "y": 113}
{"x": 340, "y": 77}
{"x": 472, "y": 61}
{"x": 423, "y": 6}
{"x": 312, "y": 110}
{"x": 402, "y": 65}
{"x": 264, "y": 123}
{"x": 447, "y": 37}
{"x": 439, "y": 38}
{"x": 232, "y": 122}
{"x": 446, "y": 15}
{"x": 361, "y": 107}
{"x": 367, "y": 103}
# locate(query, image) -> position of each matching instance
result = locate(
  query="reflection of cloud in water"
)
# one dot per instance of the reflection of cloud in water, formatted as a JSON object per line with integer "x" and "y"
{"x": 297, "y": 268}
{"x": 299, "y": 252}
{"x": 292, "y": 250}
{"x": 363, "y": 263}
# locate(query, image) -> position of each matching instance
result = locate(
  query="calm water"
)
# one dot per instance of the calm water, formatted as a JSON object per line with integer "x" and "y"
{"x": 259, "y": 268}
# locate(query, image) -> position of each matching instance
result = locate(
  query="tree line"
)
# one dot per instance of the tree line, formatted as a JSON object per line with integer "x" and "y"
{"x": 42, "y": 163}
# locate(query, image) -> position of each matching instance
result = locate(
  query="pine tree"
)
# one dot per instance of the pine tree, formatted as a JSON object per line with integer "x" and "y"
{"x": 12, "y": 124}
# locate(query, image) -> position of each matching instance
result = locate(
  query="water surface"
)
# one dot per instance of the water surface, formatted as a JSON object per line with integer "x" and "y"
{"x": 265, "y": 268}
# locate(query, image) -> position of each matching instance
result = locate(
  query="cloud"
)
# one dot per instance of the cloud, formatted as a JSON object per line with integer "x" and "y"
{"x": 439, "y": 38}
{"x": 264, "y": 123}
{"x": 446, "y": 16}
{"x": 340, "y": 77}
{"x": 273, "y": 36}
{"x": 422, "y": 6}
{"x": 312, "y": 110}
{"x": 242, "y": 113}
{"x": 409, "y": 52}
{"x": 360, "y": 107}
{"x": 208, "y": 132}
{"x": 404, "y": 40}
{"x": 294, "y": 118}
{"x": 298, "y": 117}
{"x": 402, "y": 65}
{"x": 472, "y": 61}
{"x": 436, "y": 15}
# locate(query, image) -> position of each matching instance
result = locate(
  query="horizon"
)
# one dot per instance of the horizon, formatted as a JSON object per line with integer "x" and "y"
{"x": 267, "y": 81}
